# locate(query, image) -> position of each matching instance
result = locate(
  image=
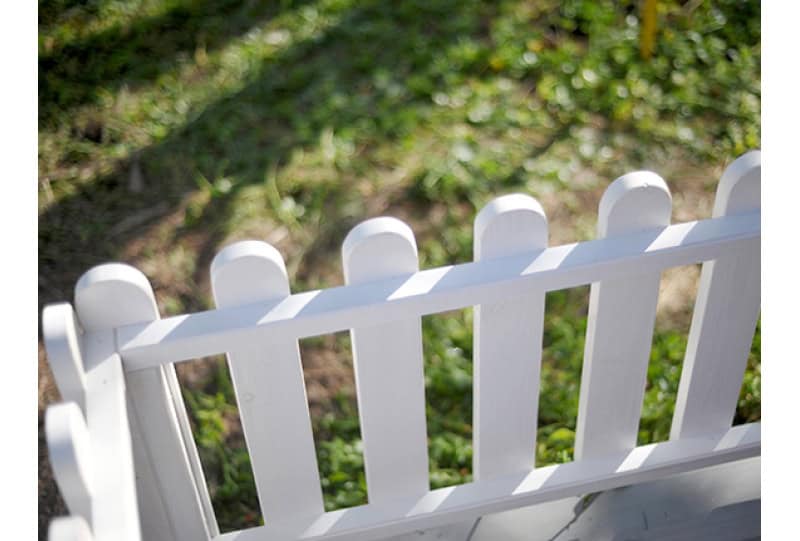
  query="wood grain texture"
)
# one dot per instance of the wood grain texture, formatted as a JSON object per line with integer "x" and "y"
{"x": 387, "y": 360}
{"x": 725, "y": 315}
{"x": 620, "y": 324}
{"x": 507, "y": 344}
{"x": 270, "y": 391}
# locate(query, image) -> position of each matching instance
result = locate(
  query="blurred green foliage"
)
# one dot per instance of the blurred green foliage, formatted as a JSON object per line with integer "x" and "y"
{"x": 301, "y": 114}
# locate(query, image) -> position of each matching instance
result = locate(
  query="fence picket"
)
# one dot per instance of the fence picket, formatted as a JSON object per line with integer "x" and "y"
{"x": 507, "y": 344}
{"x": 70, "y": 454}
{"x": 62, "y": 339}
{"x": 388, "y": 367}
{"x": 270, "y": 391}
{"x": 431, "y": 291}
{"x": 620, "y": 324}
{"x": 104, "y": 430}
{"x": 115, "y": 513}
{"x": 725, "y": 315}
{"x": 172, "y": 494}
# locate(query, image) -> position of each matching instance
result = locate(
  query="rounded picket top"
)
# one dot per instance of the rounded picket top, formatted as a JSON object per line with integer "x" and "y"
{"x": 112, "y": 295}
{"x": 387, "y": 362}
{"x": 68, "y": 444}
{"x": 379, "y": 248}
{"x": 246, "y": 272}
{"x": 507, "y": 343}
{"x": 62, "y": 342}
{"x": 508, "y": 225}
{"x": 739, "y": 189}
{"x": 275, "y": 422}
{"x": 69, "y": 529}
{"x": 634, "y": 202}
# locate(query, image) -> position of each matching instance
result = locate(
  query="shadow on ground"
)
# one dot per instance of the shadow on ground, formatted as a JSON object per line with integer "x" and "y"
{"x": 359, "y": 83}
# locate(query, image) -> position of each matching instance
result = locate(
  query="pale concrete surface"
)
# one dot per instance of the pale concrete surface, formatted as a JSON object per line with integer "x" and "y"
{"x": 718, "y": 503}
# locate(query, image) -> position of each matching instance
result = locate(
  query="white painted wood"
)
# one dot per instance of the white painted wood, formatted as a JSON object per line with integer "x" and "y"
{"x": 70, "y": 455}
{"x": 152, "y": 511}
{"x": 461, "y": 502}
{"x": 62, "y": 338}
{"x": 69, "y": 529}
{"x": 620, "y": 324}
{"x": 258, "y": 323}
{"x": 115, "y": 513}
{"x": 725, "y": 315}
{"x": 270, "y": 391}
{"x": 92, "y": 459}
{"x": 388, "y": 369}
{"x": 507, "y": 344}
{"x": 460, "y": 531}
{"x": 720, "y": 503}
{"x": 435, "y": 290}
{"x": 177, "y": 505}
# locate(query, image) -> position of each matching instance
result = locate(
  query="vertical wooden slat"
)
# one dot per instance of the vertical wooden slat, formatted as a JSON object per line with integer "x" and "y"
{"x": 62, "y": 340}
{"x": 270, "y": 391}
{"x": 70, "y": 455}
{"x": 507, "y": 344}
{"x": 172, "y": 494}
{"x": 69, "y": 529}
{"x": 115, "y": 513}
{"x": 620, "y": 324}
{"x": 90, "y": 447}
{"x": 725, "y": 315}
{"x": 388, "y": 367}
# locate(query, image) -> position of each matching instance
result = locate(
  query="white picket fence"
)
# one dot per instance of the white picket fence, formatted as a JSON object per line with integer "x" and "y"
{"x": 112, "y": 358}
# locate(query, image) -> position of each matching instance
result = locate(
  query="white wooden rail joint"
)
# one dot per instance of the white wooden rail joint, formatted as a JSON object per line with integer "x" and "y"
{"x": 126, "y": 463}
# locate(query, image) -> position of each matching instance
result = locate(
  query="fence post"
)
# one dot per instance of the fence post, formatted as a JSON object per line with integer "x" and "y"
{"x": 170, "y": 486}
{"x": 507, "y": 344}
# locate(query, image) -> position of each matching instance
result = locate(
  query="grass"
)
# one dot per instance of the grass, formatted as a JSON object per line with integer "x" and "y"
{"x": 169, "y": 128}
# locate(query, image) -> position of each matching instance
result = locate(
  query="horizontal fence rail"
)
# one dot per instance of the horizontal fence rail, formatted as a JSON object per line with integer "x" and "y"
{"x": 471, "y": 500}
{"x": 435, "y": 290}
